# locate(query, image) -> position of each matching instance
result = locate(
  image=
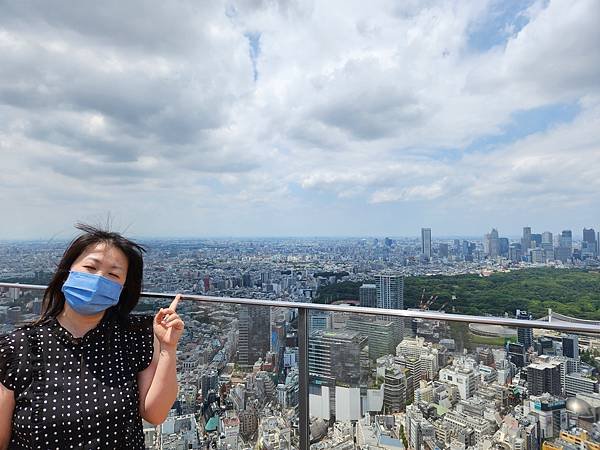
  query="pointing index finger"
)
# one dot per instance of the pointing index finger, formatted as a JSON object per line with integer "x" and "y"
{"x": 175, "y": 302}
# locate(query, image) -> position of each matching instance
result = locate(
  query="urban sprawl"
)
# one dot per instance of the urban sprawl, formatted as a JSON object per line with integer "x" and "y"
{"x": 375, "y": 382}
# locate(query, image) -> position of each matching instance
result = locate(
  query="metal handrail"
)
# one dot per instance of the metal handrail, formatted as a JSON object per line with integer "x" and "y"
{"x": 406, "y": 313}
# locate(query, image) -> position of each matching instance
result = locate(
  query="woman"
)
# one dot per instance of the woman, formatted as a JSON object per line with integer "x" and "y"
{"x": 87, "y": 372}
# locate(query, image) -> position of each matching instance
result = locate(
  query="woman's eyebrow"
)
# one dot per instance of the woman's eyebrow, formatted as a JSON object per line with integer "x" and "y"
{"x": 97, "y": 261}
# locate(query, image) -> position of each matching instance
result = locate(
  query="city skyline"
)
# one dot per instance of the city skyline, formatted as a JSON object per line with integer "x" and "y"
{"x": 299, "y": 118}
{"x": 65, "y": 235}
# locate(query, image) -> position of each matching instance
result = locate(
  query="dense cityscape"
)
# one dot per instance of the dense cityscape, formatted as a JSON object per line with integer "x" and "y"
{"x": 375, "y": 382}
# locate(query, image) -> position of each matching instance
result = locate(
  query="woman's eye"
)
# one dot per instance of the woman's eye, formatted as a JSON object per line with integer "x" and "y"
{"x": 89, "y": 267}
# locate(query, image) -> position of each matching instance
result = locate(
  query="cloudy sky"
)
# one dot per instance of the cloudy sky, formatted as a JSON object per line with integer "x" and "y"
{"x": 207, "y": 118}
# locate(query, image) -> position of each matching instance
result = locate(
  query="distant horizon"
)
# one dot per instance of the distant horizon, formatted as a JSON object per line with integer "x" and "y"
{"x": 434, "y": 237}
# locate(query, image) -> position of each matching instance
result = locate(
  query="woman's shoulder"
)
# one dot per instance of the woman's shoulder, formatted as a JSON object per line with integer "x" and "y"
{"x": 20, "y": 333}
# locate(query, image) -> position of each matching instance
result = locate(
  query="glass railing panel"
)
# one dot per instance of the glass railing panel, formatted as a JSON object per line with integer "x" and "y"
{"x": 237, "y": 369}
{"x": 238, "y": 378}
{"x": 390, "y": 382}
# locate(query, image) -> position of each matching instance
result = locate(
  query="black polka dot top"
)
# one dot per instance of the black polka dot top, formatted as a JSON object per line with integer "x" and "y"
{"x": 77, "y": 393}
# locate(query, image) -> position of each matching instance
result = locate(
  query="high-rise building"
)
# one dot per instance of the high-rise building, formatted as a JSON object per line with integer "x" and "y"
{"x": 589, "y": 245}
{"x": 544, "y": 377}
{"x": 254, "y": 334}
{"x": 589, "y": 235}
{"x": 504, "y": 246}
{"x": 526, "y": 239}
{"x": 368, "y": 295}
{"x": 536, "y": 240}
{"x": 564, "y": 251}
{"x": 548, "y": 245}
{"x": 390, "y": 291}
{"x": 390, "y": 295}
{"x": 444, "y": 250}
{"x": 524, "y": 335}
{"x": 426, "y": 242}
{"x": 467, "y": 250}
{"x": 492, "y": 244}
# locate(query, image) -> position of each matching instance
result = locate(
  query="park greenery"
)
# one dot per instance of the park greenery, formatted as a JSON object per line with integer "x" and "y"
{"x": 573, "y": 292}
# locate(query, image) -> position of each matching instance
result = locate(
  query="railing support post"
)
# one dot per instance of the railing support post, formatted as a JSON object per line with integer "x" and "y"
{"x": 304, "y": 425}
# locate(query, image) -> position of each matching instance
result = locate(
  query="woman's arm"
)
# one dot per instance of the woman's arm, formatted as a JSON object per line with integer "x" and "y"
{"x": 158, "y": 382}
{"x": 7, "y": 407}
{"x": 158, "y": 385}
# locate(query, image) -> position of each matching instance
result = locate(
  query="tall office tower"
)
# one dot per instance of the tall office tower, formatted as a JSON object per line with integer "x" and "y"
{"x": 589, "y": 245}
{"x": 544, "y": 377}
{"x": 536, "y": 240}
{"x": 524, "y": 335}
{"x": 570, "y": 346}
{"x": 467, "y": 250}
{"x": 504, "y": 246}
{"x": 254, "y": 334}
{"x": 526, "y": 240}
{"x": 334, "y": 357}
{"x": 494, "y": 244}
{"x": 390, "y": 295}
{"x": 548, "y": 245}
{"x": 589, "y": 235}
{"x": 426, "y": 242}
{"x": 547, "y": 237}
{"x": 444, "y": 250}
{"x": 564, "y": 251}
{"x": 367, "y": 294}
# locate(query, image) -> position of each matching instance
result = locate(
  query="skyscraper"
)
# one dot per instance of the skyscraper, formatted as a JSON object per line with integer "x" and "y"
{"x": 548, "y": 245}
{"x": 426, "y": 242}
{"x": 564, "y": 251}
{"x": 390, "y": 291}
{"x": 390, "y": 295}
{"x": 589, "y": 246}
{"x": 526, "y": 240}
{"x": 493, "y": 244}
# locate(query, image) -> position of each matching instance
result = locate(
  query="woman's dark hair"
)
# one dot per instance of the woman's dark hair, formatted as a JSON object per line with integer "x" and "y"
{"x": 54, "y": 299}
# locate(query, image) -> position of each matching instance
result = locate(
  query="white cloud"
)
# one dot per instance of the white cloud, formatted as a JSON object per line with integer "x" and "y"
{"x": 152, "y": 109}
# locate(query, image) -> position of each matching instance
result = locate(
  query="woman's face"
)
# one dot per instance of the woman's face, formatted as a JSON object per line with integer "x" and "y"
{"x": 104, "y": 260}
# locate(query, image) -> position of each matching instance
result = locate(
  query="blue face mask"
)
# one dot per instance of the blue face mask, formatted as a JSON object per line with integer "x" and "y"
{"x": 90, "y": 294}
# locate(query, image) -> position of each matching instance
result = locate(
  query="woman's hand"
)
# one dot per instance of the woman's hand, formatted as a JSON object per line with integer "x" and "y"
{"x": 168, "y": 326}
